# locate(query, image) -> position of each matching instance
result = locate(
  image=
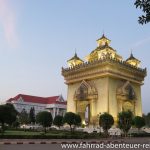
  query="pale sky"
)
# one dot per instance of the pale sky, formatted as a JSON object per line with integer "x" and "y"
{"x": 37, "y": 37}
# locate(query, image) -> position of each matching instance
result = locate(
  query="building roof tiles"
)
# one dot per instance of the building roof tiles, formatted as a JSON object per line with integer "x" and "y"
{"x": 36, "y": 99}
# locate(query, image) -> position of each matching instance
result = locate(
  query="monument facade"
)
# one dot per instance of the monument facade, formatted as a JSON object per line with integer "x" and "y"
{"x": 104, "y": 82}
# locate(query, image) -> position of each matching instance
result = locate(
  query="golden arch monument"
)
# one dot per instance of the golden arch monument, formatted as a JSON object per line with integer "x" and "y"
{"x": 104, "y": 82}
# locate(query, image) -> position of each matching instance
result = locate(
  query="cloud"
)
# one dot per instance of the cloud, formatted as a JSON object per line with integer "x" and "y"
{"x": 141, "y": 42}
{"x": 8, "y": 22}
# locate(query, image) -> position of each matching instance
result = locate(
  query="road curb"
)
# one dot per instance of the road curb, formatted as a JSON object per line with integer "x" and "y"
{"x": 7, "y": 143}
{"x": 57, "y": 142}
{"x": 19, "y": 143}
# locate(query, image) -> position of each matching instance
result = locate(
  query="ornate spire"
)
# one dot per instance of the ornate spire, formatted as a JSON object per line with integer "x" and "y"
{"x": 102, "y": 50}
{"x": 133, "y": 61}
{"x": 75, "y": 60}
{"x": 132, "y": 57}
{"x": 101, "y": 41}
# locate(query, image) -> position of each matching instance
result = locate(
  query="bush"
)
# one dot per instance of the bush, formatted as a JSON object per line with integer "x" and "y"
{"x": 106, "y": 121}
{"x": 140, "y": 134}
{"x": 83, "y": 125}
{"x": 45, "y": 119}
{"x": 45, "y": 136}
{"x": 53, "y": 135}
{"x": 125, "y": 121}
{"x": 139, "y": 122}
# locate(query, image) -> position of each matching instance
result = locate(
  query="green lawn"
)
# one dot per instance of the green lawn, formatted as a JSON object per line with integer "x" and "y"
{"x": 35, "y": 134}
{"x": 9, "y": 132}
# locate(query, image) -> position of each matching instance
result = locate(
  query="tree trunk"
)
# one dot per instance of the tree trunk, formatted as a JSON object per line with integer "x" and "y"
{"x": 106, "y": 133}
{"x": 125, "y": 134}
{"x": 70, "y": 128}
{"x": 3, "y": 127}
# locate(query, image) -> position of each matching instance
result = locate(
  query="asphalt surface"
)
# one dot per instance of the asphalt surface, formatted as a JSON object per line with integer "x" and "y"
{"x": 55, "y": 144}
{"x": 31, "y": 147}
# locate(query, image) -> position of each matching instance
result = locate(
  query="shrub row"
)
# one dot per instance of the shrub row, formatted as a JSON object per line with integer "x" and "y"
{"x": 140, "y": 134}
{"x": 61, "y": 136}
{"x": 53, "y": 135}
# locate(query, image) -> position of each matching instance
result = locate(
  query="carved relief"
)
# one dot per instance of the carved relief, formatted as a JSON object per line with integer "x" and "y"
{"x": 130, "y": 92}
{"x": 126, "y": 91}
{"x": 128, "y": 106}
{"x": 126, "y": 97}
{"x": 86, "y": 91}
{"x": 81, "y": 106}
{"x": 82, "y": 92}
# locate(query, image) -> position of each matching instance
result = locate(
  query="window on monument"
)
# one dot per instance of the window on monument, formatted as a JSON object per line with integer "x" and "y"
{"x": 131, "y": 93}
{"x": 83, "y": 92}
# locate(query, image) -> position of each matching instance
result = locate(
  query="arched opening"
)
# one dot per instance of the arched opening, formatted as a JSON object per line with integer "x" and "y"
{"x": 126, "y": 97}
{"x": 87, "y": 114}
{"x": 84, "y": 96}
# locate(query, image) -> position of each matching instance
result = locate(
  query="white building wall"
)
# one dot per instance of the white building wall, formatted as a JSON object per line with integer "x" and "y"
{"x": 55, "y": 109}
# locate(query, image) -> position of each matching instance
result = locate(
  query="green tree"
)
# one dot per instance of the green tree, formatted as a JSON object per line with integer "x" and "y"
{"x": 16, "y": 124}
{"x": 45, "y": 119}
{"x": 32, "y": 115}
{"x": 69, "y": 118}
{"x": 144, "y": 5}
{"x": 147, "y": 119}
{"x": 58, "y": 120}
{"x": 2, "y": 118}
{"x": 9, "y": 108}
{"x": 106, "y": 121}
{"x": 23, "y": 117}
{"x": 8, "y": 114}
{"x": 139, "y": 122}
{"x": 125, "y": 121}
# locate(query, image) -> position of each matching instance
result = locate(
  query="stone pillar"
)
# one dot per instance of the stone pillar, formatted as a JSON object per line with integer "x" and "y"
{"x": 93, "y": 115}
{"x": 54, "y": 111}
{"x": 57, "y": 111}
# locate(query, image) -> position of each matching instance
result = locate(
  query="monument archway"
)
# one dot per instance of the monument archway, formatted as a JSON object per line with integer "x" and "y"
{"x": 85, "y": 96}
{"x": 126, "y": 97}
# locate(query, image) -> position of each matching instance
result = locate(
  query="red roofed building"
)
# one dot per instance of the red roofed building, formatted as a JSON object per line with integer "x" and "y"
{"x": 55, "y": 104}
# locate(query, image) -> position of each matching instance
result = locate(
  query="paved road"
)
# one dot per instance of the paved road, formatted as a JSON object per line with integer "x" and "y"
{"x": 45, "y": 144}
{"x": 52, "y": 147}
{"x": 31, "y": 147}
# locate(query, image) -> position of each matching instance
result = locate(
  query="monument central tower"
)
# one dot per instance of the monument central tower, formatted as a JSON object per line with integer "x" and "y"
{"x": 103, "y": 83}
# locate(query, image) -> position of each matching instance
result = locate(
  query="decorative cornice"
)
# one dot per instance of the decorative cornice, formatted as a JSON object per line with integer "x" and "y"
{"x": 101, "y": 61}
{"x": 99, "y": 68}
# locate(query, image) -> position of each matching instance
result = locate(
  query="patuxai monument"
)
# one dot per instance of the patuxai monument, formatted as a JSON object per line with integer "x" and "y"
{"x": 104, "y": 82}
